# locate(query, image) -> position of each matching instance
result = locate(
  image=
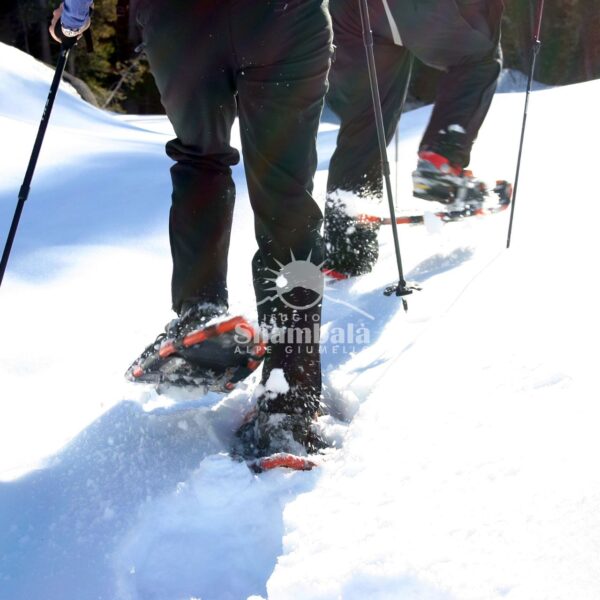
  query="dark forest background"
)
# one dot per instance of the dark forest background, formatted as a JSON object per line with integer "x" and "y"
{"x": 116, "y": 76}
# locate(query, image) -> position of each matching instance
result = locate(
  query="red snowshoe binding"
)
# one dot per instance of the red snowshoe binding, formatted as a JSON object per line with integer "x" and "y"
{"x": 437, "y": 179}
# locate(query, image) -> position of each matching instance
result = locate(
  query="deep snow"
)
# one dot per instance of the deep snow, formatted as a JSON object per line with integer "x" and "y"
{"x": 467, "y": 426}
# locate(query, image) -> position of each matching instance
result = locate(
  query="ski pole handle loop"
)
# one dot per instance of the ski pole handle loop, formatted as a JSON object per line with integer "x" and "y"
{"x": 67, "y": 43}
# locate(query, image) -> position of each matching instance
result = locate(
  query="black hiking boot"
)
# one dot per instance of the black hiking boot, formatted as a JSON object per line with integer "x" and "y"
{"x": 351, "y": 243}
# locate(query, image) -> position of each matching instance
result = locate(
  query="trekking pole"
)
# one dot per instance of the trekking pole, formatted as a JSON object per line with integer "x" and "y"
{"x": 411, "y": 61}
{"x": 535, "y": 48}
{"x": 37, "y": 146}
{"x": 401, "y": 288}
{"x": 396, "y": 158}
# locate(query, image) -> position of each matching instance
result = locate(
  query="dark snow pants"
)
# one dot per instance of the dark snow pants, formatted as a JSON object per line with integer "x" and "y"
{"x": 459, "y": 37}
{"x": 265, "y": 61}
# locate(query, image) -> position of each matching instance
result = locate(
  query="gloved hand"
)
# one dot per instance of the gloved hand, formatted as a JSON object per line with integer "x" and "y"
{"x": 67, "y": 37}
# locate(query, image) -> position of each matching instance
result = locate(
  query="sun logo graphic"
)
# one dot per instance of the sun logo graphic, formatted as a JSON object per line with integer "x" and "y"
{"x": 296, "y": 274}
{"x": 303, "y": 274}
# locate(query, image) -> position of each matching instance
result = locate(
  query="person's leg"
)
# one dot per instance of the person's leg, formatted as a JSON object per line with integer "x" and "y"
{"x": 194, "y": 74}
{"x": 460, "y": 37}
{"x": 284, "y": 49}
{"x": 355, "y": 177}
{"x": 463, "y": 98}
{"x": 355, "y": 165}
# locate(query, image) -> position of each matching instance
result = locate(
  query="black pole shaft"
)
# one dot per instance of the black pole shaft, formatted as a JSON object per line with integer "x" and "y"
{"x": 535, "y": 48}
{"x": 37, "y": 146}
{"x": 397, "y": 132}
{"x": 411, "y": 62}
{"x": 396, "y": 158}
{"x": 368, "y": 40}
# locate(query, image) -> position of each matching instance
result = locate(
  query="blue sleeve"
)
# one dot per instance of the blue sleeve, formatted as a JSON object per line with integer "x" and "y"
{"x": 75, "y": 13}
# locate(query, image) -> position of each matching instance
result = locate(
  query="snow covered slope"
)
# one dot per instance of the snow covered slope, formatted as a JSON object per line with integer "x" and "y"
{"x": 467, "y": 426}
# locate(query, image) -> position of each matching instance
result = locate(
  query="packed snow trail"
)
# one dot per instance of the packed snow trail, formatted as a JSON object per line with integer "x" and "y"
{"x": 467, "y": 426}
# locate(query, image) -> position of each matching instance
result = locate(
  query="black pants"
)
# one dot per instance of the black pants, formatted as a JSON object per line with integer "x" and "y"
{"x": 267, "y": 63}
{"x": 460, "y": 37}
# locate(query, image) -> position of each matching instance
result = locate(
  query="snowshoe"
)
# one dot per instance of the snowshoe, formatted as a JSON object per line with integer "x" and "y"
{"x": 277, "y": 440}
{"x": 436, "y": 178}
{"x": 478, "y": 206}
{"x": 439, "y": 180}
{"x": 204, "y": 348}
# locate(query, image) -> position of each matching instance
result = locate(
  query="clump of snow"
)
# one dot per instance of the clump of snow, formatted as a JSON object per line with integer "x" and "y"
{"x": 277, "y": 383}
{"x": 455, "y": 127}
{"x": 354, "y": 205}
